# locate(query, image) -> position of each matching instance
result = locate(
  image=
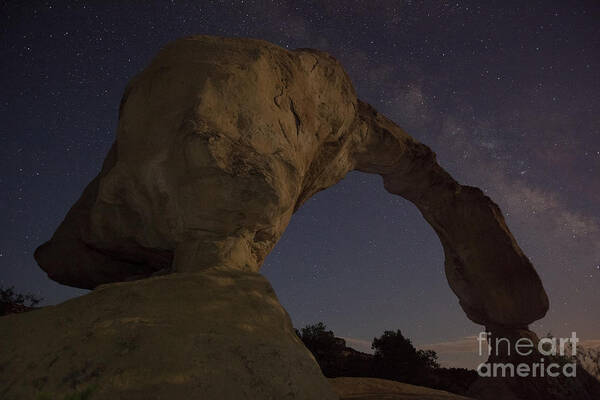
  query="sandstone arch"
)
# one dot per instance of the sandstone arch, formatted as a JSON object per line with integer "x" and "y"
{"x": 221, "y": 140}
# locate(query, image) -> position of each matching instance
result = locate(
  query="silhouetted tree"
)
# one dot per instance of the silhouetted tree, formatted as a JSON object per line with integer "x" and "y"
{"x": 396, "y": 358}
{"x": 323, "y": 344}
{"x": 13, "y": 302}
{"x": 428, "y": 358}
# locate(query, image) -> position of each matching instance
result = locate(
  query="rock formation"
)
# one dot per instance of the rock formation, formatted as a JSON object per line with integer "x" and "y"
{"x": 219, "y": 334}
{"x": 221, "y": 140}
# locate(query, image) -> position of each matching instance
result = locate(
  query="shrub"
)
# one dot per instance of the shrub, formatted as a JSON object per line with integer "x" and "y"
{"x": 12, "y": 302}
{"x": 323, "y": 344}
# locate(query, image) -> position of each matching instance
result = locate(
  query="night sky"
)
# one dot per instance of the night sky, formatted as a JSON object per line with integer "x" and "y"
{"x": 506, "y": 94}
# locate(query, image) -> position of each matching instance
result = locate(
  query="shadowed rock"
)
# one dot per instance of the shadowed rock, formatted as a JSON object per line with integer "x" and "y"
{"x": 221, "y": 140}
{"x": 381, "y": 389}
{"x": 219, "y": 334}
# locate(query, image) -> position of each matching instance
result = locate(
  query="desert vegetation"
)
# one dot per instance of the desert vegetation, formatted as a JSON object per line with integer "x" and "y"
{"x": 394, "y": 358}
{"x": 12, "y": 302}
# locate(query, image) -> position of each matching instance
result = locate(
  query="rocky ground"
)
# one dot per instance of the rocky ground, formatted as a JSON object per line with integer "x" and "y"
{"x": 381, "y": 389}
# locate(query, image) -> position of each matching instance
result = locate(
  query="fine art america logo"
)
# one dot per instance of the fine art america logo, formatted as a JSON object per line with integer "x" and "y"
{"x": 558, "y": 350}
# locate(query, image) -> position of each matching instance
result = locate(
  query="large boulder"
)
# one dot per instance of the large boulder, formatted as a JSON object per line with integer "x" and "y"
{"x": 218, "y": 140}
{"x": 221, "y": 140}
{"x": 217, "y": 334}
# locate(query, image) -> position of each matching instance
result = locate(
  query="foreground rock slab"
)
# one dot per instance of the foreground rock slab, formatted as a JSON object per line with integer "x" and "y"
{"x": 381, "y": 389}
{"x": 219, "y": 334}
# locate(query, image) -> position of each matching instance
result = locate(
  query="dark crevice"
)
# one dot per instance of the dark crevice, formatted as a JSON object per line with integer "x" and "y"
{"x": 296, "y": 117}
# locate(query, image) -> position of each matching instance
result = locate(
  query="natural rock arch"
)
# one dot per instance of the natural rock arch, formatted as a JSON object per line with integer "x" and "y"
{"x": 221, "y": 140}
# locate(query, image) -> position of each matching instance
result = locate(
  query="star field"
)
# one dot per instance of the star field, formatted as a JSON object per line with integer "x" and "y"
{"x": 507, "y": 94}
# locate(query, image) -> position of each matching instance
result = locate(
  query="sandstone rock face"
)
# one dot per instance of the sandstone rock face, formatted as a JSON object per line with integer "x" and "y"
{"x": 218, "y": 334}
{"x": 221, "y": 140}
